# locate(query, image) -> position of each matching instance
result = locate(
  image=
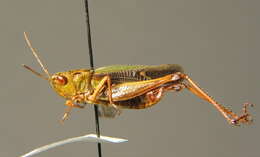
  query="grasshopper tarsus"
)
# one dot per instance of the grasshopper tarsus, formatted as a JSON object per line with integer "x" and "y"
{"x": 245, "y": 118}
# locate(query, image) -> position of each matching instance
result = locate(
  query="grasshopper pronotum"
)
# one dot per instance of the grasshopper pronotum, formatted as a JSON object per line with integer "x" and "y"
{"x": 126, "y": 86}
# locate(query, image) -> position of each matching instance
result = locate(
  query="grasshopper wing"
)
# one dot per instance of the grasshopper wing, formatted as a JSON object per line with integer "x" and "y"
{"x": 132, "y": 73}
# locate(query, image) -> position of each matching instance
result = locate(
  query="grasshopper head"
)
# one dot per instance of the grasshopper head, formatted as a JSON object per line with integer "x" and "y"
{"x": 68, "y": 84}
{"x": 62, "y": 84}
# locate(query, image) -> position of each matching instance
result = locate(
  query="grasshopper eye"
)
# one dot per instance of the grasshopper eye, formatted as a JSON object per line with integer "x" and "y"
{"x": 60, "y": 80}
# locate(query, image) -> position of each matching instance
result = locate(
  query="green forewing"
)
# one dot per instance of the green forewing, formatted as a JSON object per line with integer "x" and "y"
{"x": 118, "y": 68}
{"x": 130, "y": 73}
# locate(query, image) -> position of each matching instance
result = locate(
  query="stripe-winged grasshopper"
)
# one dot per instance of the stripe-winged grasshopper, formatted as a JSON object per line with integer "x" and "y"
{"x": 126, "y": 86}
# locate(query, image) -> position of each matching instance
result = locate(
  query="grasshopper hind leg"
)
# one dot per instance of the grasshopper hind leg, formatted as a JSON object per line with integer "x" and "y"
{"x": 154, "y": 97}
{"x": 148, "y": 99}
{"x": 230, "y": 116}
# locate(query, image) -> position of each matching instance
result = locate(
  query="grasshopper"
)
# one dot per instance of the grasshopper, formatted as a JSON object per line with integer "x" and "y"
{"x": 126, "y": 86}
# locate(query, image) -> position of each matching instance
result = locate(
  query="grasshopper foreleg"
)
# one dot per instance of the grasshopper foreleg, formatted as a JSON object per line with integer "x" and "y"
{"x": 70, "y": 105}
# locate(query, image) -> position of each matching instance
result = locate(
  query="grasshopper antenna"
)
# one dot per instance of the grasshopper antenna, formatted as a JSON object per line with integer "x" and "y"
{"x": 38, "y": 59}
{"x": 35, "y": 72}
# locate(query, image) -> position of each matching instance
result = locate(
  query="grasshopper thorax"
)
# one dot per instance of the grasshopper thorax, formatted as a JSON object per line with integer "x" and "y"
{"x": 70, "y": 83}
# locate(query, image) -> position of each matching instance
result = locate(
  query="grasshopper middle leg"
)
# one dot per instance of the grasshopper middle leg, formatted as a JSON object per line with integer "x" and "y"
{"x": 105, "y": 81}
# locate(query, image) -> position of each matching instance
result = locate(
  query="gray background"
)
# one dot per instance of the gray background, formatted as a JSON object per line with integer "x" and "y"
{"x": 217, "y": 42}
